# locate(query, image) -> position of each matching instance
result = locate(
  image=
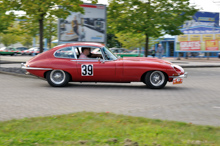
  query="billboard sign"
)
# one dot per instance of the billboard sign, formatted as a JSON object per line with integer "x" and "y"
{"x": 87, "y": 27}
{"x": 204, "y": 28}
{"x": 190, "y": 46}
{"x": 212, "y": 45}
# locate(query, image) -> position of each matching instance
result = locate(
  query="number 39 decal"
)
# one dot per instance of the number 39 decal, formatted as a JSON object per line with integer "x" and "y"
{"x": 87, "y": 70}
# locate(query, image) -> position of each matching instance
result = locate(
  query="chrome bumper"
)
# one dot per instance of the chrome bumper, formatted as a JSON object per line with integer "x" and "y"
{"x": 184, "y": 75}
{"x": 24, "y": 66}
{"x": 180, "y": 76}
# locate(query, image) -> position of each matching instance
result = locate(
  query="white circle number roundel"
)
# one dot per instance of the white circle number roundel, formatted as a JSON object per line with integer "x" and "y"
{"x": 87, "y": 70}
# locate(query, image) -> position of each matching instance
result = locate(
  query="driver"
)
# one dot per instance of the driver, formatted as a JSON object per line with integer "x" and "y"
{"x": 87, "y": 54}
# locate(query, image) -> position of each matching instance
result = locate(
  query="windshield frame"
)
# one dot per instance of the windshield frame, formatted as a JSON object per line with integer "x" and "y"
{"x": 114, "y": 57}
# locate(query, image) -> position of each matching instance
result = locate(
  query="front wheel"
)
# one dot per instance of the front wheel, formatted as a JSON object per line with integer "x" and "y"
{"x": 155, "y": 79}
{"x": 57, "y": 78}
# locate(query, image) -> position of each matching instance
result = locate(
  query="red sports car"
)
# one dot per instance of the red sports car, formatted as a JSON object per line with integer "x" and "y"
{"x": 62, "y": 64}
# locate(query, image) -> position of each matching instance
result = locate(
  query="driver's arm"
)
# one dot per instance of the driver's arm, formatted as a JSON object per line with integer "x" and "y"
{"x": 94, "y": 55}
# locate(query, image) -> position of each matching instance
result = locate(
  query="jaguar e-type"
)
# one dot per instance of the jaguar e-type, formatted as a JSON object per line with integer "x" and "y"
{"x": 62, "y": 64}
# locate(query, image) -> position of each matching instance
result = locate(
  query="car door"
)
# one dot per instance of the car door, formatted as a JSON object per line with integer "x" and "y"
{"x": 96, "y": 69}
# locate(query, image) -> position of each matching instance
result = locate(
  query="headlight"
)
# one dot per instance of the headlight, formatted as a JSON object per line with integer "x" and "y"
{"x": 178, "y": 68}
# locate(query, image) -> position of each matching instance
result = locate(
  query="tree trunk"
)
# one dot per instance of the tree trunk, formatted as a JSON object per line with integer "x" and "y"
{"x": 50, "y": 35}
{"x": 146, "y": 45}
{"x": 49, "y": 40}
{"x": 41, "y": 31}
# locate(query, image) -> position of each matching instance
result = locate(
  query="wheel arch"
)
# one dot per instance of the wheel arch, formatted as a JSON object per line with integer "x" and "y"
{"x": 58, "y": 69}
{"x": 144, "y": 74}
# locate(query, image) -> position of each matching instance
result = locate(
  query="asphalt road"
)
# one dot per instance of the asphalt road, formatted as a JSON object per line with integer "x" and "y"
{"x": 196, "y": 101}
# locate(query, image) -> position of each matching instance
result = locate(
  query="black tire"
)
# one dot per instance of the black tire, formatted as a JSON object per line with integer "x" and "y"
{"x": 155, "y": 79}
{"x": 57, "y": 78}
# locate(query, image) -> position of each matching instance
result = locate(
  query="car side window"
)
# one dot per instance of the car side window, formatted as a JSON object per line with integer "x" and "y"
{"x": 65, "y": 53}
{"x": 94, "y": 53}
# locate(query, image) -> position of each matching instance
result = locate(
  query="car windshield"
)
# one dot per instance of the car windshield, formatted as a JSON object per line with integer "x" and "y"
{"x": 108, "y": 54}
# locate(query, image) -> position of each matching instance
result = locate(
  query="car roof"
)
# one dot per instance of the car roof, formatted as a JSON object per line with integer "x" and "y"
{"x": 83, "y": 44}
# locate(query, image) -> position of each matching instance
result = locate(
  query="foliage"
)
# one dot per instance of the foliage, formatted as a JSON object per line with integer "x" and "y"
{"x": 16, "y": 33}
{"x": 50, "y": 29}
{"x": 5, "y": 19}
{"x": 112, "y": 41}
{"x": 29, "y": 27}
{"x": 11, "y": 35}
{"x": 38, "y": 10}
{"x": 9, "y": 39}
{"x": 26, "y": 40}
{"x": 130, "y": 40}
{"x": 153, "y": 18}
{"x": 134, "y": 40}
{"x": 100, "y": 129}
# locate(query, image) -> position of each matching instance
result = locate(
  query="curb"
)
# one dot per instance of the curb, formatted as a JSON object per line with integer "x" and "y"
{"x": 11, "y": 62}
{"x": 199, "y": 66}
{"x": 19, "y": 75}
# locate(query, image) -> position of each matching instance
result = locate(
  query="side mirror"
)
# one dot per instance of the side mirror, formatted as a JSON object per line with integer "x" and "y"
{"x": 101, "y": 60}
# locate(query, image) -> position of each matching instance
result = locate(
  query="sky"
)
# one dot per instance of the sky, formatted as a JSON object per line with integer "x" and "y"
{"x": 207, "y": 5}
{"x": 203, "y": 5}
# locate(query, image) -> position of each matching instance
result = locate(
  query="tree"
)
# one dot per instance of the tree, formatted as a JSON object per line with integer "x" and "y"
{"x": 134, "y": 40}
{"x": 153, "y": 18}
{"x": 10, "y": 35}
{"x": 37, "y": 10}
{"x": 112, "y": 41}
{"x": 9, "y": 39}
{"x": 50, "y": 29}
{"x": 26, "y": 40}
{"x": 29, "y": 27}
{"x": 5, "y": 19}
{"x": 130, "y": 40}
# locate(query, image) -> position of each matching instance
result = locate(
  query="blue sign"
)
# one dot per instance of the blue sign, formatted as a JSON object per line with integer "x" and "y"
{"x": 202, "y": 23}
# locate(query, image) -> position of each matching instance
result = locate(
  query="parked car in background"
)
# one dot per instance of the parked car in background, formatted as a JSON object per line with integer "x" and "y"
{"x": 9, "y": 51}
{"x": 125, "y": 53}
{"x": 33, "y": 51}
{"x": 63, "y": 64}
{"x": 139, "y": 52}
{"x": 22, "y": 49}
{"x": 119, "y": 50}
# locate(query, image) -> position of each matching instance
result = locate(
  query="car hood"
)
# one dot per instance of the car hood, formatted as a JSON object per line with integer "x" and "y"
{"x": 146, "y": 59}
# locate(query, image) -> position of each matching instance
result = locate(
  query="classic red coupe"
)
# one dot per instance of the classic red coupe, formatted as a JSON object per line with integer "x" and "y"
{"x": 62, "y": 64}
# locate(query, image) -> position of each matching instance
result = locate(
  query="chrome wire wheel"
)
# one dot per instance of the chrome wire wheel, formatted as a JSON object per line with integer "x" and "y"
{"x": 157, "y": 78}
{"x": 57, "y": 76}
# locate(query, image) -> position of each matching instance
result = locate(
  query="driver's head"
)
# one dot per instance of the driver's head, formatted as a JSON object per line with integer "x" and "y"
{"x": 86, "y": 50}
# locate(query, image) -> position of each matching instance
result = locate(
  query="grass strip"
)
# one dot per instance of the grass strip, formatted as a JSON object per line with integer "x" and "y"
{"x": 104, "y": 129}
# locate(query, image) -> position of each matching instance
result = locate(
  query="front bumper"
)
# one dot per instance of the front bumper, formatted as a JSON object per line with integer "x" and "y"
{"x": 185, "y": 75}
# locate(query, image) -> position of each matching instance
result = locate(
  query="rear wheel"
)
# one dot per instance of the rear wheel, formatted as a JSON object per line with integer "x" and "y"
{"x": 57, "y": 78}
{"x": 155, "y": 79}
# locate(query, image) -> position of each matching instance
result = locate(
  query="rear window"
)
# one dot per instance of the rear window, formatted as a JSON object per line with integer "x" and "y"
{"x": 65, "y": 53}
